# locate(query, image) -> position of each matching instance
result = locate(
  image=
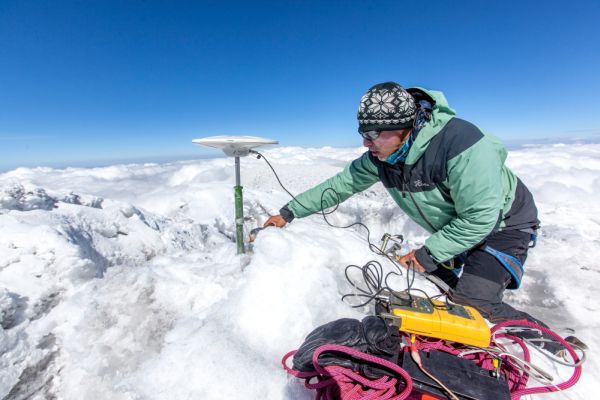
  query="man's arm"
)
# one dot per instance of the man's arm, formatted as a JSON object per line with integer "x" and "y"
{"x": 359, "y": 175}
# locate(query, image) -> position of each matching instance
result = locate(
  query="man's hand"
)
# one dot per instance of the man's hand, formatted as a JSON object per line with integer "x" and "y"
{"x": 410, "y": 261}
{"x": 275, "y": 220}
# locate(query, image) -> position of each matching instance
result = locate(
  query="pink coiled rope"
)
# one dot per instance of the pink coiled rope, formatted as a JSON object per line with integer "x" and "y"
{"x": 336, "y": 382}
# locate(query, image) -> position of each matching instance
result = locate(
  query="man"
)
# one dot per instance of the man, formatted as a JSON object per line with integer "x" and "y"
{"x": 450, "y": 178}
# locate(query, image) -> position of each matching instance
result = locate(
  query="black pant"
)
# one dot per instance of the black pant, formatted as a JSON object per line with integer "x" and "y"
{"x": 484, "y": 278}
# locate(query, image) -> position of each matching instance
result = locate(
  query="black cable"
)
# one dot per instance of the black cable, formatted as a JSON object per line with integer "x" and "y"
{"x": 259, "y": 156}
{"x": 376, "y": 285}
{"x": 410, "y": 279}
{"x": 374, "y": 280}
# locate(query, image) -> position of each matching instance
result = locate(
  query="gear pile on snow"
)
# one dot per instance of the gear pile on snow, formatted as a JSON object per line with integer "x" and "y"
{"x": 349, "y": 359}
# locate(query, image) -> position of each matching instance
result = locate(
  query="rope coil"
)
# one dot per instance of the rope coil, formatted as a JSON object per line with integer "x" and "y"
{"x": 335, "y": 382}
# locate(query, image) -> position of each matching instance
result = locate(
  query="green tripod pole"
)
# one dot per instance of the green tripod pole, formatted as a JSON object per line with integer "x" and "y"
{"x": 239, "y": 209}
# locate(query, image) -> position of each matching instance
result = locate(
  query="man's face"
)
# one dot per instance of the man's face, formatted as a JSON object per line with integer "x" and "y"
{"x": 386, "y": 143}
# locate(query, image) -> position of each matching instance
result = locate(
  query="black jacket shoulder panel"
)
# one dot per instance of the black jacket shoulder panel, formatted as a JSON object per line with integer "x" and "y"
{"x": 457, "y": 136}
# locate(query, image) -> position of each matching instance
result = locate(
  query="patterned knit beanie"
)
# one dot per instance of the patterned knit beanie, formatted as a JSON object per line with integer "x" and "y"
{"x": 386, "y": 107}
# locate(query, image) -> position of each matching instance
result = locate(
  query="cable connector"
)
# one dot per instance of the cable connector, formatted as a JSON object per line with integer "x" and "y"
{"x": 258, "y": 155}
{"x": 396, "y": 246}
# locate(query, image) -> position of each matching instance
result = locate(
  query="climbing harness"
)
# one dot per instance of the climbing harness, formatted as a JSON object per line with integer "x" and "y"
{"x": 512, "y": 265}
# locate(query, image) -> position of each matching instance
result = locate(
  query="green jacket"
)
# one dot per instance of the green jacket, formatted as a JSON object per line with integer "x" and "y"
{"x": 453, "y": 183}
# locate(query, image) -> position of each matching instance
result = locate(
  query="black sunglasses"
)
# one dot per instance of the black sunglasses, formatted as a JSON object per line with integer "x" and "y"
{"x": 370, "y": 135}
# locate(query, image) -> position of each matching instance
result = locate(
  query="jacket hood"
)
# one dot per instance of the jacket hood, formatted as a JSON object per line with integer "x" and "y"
{"x": 440, "y": 115}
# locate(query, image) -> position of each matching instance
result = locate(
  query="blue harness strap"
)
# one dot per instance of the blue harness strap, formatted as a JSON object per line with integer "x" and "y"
{"x": 511, "y": 264}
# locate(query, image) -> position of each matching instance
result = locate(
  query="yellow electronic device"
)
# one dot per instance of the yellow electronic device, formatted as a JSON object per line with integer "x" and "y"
{"x": 437, "y": 319}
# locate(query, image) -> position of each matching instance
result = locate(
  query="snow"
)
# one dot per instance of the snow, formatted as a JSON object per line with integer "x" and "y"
{"x": 122, "y": 282}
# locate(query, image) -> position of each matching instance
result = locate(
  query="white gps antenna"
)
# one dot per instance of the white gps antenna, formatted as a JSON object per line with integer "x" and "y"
{"x": 236, "y": 146}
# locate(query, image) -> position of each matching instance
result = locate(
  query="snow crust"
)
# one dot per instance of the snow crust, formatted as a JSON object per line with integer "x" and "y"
{"x": 122, "y": 282}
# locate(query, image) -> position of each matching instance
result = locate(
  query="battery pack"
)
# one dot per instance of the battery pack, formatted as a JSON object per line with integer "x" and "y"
{"x": 463, "y": 377}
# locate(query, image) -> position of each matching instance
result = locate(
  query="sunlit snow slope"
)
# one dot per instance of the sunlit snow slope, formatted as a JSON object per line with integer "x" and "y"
{"x": 122, "y": 282}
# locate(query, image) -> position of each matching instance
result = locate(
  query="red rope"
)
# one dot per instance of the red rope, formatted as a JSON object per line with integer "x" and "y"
{"x": 335, "y": 382}
{"x": 521, "y": 390}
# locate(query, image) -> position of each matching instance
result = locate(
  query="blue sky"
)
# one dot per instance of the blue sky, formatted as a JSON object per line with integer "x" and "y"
{"x": 91, "y": 82}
